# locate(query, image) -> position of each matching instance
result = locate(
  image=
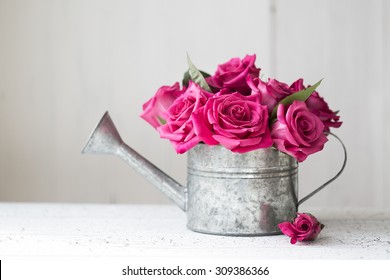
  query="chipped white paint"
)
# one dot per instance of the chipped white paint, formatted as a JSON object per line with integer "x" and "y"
{"x": 159, "y": 231}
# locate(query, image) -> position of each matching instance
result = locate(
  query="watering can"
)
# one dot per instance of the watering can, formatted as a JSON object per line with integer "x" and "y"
{"x": 227, "y": 193}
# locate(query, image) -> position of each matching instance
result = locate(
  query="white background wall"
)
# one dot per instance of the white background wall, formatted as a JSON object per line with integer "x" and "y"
{"x": 63, "y": 63}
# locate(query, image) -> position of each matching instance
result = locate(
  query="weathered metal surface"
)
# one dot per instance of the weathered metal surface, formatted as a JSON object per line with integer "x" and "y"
{"x": 240, "y": 194}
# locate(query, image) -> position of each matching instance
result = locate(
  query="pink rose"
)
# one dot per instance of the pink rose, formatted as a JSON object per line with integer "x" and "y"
{"x": 297, "y": 131}
{"x": 297, "y": 85}
{"x": 237, "y": 122}
{"x": 179, "y": 127}
{"x": 232, "y": 74}
{"x": 319, "y": 107}
{"x": 305, "y": 227}
{"x": 154, "y": 109}
{"x": 271, "y": 92}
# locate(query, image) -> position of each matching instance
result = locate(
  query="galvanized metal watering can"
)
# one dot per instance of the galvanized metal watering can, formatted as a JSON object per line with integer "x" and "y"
{"x": 227, "y": 193}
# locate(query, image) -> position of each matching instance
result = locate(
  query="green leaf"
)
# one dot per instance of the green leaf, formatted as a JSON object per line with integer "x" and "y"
{"x": 196, "y": 75}
{"x": 161, "y": 120}
{"x": 187, "y": 77}
{"x": 204, "y": 74}
{"x": 299, "y": 95}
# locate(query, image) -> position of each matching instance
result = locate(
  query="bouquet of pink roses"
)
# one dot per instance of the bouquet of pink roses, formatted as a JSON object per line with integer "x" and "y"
{"x": 236, "y": 109}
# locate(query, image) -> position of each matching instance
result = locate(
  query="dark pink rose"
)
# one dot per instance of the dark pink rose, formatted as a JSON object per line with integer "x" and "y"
{"x": 179, "y": 127}
{"x": 305, "y": 227}
{"x": 297, "y": 85}
{"x": 318, "y": 106}
{"x": 237, "y": 122}
{"x": 232, "y": 74}
{"x": 297, "y": 131}
{"x": 154, "y": 108}
{"x": 271, "y": 92}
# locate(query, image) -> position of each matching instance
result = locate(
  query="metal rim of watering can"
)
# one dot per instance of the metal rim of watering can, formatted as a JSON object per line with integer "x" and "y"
{"x": 331, "y": 180}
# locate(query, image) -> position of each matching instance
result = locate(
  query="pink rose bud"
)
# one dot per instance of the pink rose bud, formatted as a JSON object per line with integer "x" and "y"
{"x": 305, "y": 227}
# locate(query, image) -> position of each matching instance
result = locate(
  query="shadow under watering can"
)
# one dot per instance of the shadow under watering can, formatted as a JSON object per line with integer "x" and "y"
{"x": 227, "y": 193}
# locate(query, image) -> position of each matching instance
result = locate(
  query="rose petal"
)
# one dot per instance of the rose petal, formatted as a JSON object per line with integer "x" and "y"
{"x": 154, "y": 109}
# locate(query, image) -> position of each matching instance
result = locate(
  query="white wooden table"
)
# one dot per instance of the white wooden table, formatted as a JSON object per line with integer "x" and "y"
{"x": 28, "y": 229}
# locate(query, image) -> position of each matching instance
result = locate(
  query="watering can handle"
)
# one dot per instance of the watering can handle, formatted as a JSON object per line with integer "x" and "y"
{"x": 331, "y": 180}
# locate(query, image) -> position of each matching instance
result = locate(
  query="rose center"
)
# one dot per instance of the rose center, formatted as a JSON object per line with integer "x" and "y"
{"x": 305, "y": 227}
{"x": 179, "y": 109}
{"x": 305, "y": 125}
{"x": 237, "y": 112}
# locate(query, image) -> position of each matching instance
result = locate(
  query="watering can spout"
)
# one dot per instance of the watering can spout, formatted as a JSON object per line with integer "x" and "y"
{"x": 105, "y": 139}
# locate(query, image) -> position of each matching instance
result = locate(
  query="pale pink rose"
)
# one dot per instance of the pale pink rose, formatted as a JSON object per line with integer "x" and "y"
{"x": 305, "y": 227}
{"x": 271, "y": 92}
{"x": 232, "y": 74}
{"x": 297, "y": 131}
{"x": 154, "y": 109}
{"x": 318, "y": 106}
{"x": 179, "y": 127}
{"x": 237, "y": 122}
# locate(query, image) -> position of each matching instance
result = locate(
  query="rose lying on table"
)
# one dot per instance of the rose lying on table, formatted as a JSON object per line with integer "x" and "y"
{"x": 236, "y": 109}
{"x": 305, "y": 227}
